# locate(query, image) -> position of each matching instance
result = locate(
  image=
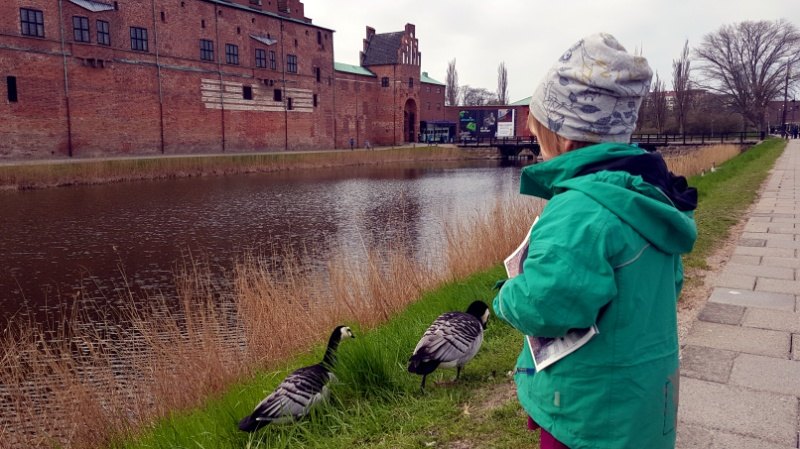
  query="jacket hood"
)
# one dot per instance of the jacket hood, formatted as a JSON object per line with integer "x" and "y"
{"x": 634, "y": 185}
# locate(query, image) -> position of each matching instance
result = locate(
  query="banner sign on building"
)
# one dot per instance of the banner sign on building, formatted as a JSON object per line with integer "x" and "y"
{"x": 485, "y": 123}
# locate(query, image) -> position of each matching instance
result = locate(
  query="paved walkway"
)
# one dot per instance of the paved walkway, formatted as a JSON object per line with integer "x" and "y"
{"x": 740, "y": 366}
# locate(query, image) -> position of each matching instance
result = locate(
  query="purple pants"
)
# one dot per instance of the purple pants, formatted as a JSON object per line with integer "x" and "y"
{"x": 546, "y": 441}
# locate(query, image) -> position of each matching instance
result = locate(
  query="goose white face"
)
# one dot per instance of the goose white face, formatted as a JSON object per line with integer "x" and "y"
{"x": 345, "y": 332}
{"x": 485, "y": 317}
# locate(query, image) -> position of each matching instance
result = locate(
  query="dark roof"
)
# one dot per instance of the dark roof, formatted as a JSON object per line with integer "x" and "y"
{"x": 383, "y": 48}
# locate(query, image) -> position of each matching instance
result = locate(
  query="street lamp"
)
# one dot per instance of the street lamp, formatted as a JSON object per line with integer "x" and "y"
{"x": 785, "y": 97}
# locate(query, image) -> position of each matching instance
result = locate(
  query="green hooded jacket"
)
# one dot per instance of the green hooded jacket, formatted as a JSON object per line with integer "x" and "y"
{"x": 606, "y": 251}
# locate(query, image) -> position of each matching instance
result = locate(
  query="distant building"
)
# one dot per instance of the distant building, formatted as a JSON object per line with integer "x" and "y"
{"x": 89, "y": 78}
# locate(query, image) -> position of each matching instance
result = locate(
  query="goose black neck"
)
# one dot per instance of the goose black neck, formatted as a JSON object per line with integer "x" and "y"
{"x": 330, "y": 352}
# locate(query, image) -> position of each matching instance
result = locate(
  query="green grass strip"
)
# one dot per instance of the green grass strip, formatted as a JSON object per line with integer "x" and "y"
{"x": 377, "y": 404}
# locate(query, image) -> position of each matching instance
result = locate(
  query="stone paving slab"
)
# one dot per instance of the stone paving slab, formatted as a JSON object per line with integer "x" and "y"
{"x": 756, "y": 251}
{"x": 775, "y": 243}
{"x": 742, "y": 339}
{"x": 758, "y": 227}
{"x": 796, "y": 350}
{"x": 768, "y": 416}
{"x": 735, "y": 280}
{"x": 722, "y": 313}
{"x": 756, "y": 243}
{"x": 746, "y": 298}
{"x": 766, "y": 374}
{"x": 771, "y": 319}
{"x": 709, "y": 364}
{"x": 767, "y": 236}
{"x": 788, "y": 262}
{"x": 778, "y": 286}
{"x": 746, "y": 260}
{"x": 764, "y": 271}
{"x": 693, "y": 437}
{"x": 723, "y": 440}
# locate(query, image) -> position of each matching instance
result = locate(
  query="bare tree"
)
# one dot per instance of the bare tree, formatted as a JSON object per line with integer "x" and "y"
{"x": 681, "y": 87}
{"x": 476, "y": 96}
{"x": 502, "y": 83}
{"x": 745, "y": 62}
{"x": 451, "y": 88}
{"x": 658, "y": 104}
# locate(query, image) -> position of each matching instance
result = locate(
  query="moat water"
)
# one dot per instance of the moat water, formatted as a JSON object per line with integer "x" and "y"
{"x": 96, "y": 242}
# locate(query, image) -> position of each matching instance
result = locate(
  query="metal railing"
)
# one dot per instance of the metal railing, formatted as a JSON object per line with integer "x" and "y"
{"x": 697, "y": 139}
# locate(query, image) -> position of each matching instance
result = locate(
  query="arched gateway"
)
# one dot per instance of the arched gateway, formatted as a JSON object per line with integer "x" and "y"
{"x": 410, "y": 121}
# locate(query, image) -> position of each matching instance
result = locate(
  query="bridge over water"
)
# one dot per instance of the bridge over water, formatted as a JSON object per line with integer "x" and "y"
{"x": 513, "y": 146}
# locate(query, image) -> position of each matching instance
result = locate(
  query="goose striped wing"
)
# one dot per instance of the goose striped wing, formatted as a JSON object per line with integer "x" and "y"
{"x": 453, "y": 337}
{"x": 295, "y": 395}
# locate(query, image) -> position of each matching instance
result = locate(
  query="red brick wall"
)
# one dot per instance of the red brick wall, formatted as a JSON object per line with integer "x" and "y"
{"x": 118, "y": 101}
{"x": 356, "y": 104}
{"x": 121, "y": 101}
{"x": 432, "y": 103}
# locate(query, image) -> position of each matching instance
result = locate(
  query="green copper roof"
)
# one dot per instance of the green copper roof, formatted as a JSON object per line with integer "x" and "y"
{"x": 354, "y": 69}
{"x": 426, "y": 79}
{"x": 524, "y": 102}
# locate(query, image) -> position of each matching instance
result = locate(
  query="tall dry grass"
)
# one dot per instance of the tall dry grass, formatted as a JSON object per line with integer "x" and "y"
{"x": 93, "y": 380}
{"x": 34, "y": 175}
{"x": 700, "y": 159}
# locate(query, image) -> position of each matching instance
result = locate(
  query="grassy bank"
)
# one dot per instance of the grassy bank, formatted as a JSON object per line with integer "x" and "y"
{"x": 34, "y": 175}
{"x": 378, "y": 404}
{"x": 163, "y": 401}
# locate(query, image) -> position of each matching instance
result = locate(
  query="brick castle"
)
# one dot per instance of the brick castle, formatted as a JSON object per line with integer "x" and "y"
{"x": 87, "y": 78}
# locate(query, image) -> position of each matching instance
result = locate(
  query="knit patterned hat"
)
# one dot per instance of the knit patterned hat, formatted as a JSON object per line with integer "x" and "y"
{"x": 593, "y": 92}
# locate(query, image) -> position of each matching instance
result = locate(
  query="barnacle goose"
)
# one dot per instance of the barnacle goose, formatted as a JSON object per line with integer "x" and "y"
{"x": 451, "y": 341}
{"x": 300, "y": 391}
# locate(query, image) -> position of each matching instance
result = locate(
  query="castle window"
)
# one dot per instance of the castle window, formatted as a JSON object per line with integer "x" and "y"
{"x": 80, "y": 29}
{"x": 11, "y": 83}
{"x": 319, "y": 37}
{"x": 202, "y": 23}
{"x": 314, "y": 99}
{"x": 232, "y": 54}
{"x": 273, "y": 64}
{"x": 385, "y": 81}
{"x": 411, "y": 82}
{"x": 277, "y": 95}
{"x": 206, "y": 50}
{"x": 261, "y": 58}
{"x": 31, "y": 22}
{"x": 247, "y": 92}
{"x": 318, "y": 73}
{"x": 139, "y": 39}
{"x": 103, "y": 35}
{"x": 291, "y": 63}
{"x": 289, "y": 104}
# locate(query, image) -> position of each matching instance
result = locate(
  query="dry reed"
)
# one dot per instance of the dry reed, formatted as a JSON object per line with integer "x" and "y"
{"x": 96, "y": 380}
{"x": 700, "y": 159}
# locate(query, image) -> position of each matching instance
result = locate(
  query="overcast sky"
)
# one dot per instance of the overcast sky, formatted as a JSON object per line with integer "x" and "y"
{"x": 529, "y": 35}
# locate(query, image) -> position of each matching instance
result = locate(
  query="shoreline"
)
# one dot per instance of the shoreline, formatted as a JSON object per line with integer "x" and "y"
{"x": 43, "y": 174}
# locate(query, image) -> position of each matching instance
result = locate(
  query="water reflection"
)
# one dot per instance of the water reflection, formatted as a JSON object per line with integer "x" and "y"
{"x": 102, "y": 240}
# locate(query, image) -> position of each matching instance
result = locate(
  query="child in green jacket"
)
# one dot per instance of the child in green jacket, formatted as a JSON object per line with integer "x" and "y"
{"x": 606, "y": 251}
